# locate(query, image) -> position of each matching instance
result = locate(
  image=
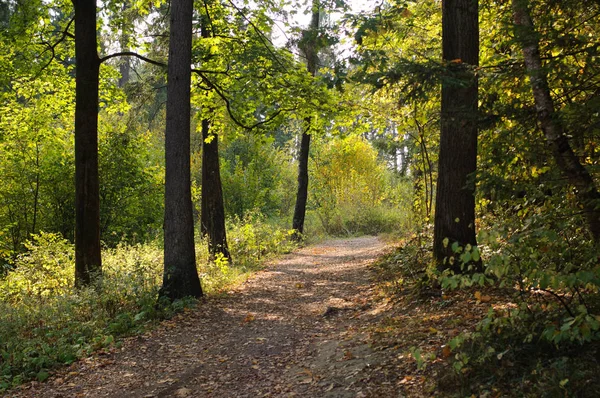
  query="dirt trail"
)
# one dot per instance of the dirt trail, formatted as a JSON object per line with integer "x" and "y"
{"x": 295, "y": 329}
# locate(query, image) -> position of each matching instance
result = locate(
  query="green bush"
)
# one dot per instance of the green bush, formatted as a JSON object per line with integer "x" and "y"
{"x": 353, "y": 193}
{"x": 257, "y": 177}
{"x": 45, "y": 322}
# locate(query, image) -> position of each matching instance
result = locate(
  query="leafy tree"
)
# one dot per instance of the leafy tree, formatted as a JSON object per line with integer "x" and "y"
{"x": 180, "y": 275}
{"x": 587, "y": 193}
{"x": 212, "y": 213}
{"x": 309, "y": 45}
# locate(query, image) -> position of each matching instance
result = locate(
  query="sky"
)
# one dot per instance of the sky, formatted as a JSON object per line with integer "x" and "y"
{"x": 302, "y": 19}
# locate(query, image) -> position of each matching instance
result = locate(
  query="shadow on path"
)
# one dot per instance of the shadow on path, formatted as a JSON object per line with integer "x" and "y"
{"x": 295, "y": 329}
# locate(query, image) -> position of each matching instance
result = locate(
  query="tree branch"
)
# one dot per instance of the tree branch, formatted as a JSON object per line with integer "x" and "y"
{"x": 51, "y": 47}
{"x": 220, "y": 93}
{"x": 133, "y": 54}
{"x": 153, "y": 62}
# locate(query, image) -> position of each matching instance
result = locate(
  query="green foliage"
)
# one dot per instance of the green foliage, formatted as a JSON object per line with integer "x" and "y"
{"x": 44, "y": 270}
{"x": 131, "y": 180}
{"x": 44, "y": 322}
{"x": 253, "y": 240}
{"x": 352, "y": 191}
{"x": 256, "y": 176}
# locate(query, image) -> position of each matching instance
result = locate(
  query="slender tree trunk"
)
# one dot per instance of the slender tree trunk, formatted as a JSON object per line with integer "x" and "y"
{"x": 88, "y": 264}
{"x": 455, "y": 197}
{"x": 212, "y": 218}
{"x": 212, "y": 208}
{"x": 124, "y": 67}
{"x": 310, "y": 51}
{"x": 302, "y": 194}
{"x": 180, "y": 278}
{"x": 36, "y": 188}
{"x": 567, "y": 161}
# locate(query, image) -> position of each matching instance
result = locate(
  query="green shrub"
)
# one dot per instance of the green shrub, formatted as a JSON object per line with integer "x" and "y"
{"x": 45, "y": 322}
{"x": 353, "y": 193}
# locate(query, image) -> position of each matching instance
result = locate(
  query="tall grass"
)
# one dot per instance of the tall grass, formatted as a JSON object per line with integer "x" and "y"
{"x": 44, "y": 322}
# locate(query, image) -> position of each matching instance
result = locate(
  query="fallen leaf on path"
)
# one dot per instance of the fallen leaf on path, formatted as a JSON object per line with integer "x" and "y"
{"x": 446, "y": 351}
{"x": 482, "y": 298}
{"x": 183, "y": 392}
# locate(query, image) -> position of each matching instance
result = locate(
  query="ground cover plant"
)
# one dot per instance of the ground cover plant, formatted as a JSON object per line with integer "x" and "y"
{"x": 45, "y": 322}
{"x": 461, "y": 337}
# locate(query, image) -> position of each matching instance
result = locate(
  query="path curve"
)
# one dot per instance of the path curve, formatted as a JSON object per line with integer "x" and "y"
{"x": 294, "y": 329}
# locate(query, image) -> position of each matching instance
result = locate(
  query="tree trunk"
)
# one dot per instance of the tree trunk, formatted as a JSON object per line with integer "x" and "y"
{"x": 567, "y": 161}
{"x": 180, "y": 278}
{"x": 302, "y": 194}
{"x": 455, "y": 197}
{"x": 212, "y": 218}
{"x": 124, "y": 66}
{"x": 309, "y": 47}
{"x": 88, "y": 264}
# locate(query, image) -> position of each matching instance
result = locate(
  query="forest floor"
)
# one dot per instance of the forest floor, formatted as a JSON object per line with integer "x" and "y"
{"x": 312, "y": 324}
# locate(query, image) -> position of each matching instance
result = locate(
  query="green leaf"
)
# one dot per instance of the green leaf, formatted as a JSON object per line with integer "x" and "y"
{"x": 42, "y": 375}
{"x": 475, "y": 255}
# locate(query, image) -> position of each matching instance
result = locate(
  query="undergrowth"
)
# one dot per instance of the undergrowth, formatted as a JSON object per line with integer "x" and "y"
{"x": 536, "y": 312}
{"x": 44, "y": 322}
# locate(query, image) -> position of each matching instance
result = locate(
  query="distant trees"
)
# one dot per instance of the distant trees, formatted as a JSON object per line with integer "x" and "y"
{"x": 180, "y": 278}
{"x": 455, "y": 197}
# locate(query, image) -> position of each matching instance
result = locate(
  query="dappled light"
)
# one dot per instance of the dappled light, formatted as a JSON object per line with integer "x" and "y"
{"x": 314, "y": 198}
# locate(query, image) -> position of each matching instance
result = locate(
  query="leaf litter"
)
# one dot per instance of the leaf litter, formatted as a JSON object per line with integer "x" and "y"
{"x": 313, "y": 324}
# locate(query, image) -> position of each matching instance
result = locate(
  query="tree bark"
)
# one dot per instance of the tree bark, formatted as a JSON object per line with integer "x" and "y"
{"x": 309, "y": 47}
{"x": 302, "y": 194}
{"x": 180, "y": 278}
{"x": 88, "y": 264}
{"x": 212, "y": 217}
{"x": 455, "y": 197}
{"x": 124, "y": 64}
{"x": 567, "y": 161}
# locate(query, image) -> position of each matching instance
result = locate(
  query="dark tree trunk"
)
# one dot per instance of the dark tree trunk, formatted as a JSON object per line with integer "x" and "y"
{"x": 88, "y": 264}
{"x": 309, "y": 47}
{"x": 455, "y": 197}
{"x": 567, "y": 161}
{"x": 212, "y": 218}
{"x": 212, "y": 208}
{"x": 180, "y": 278}
{"x": 302, "y": 194}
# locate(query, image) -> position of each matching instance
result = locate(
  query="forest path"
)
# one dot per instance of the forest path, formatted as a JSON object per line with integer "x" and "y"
{"x": 298, "y": 328}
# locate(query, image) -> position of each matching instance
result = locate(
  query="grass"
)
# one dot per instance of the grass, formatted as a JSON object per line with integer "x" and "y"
{"x": 44, "y": 322}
